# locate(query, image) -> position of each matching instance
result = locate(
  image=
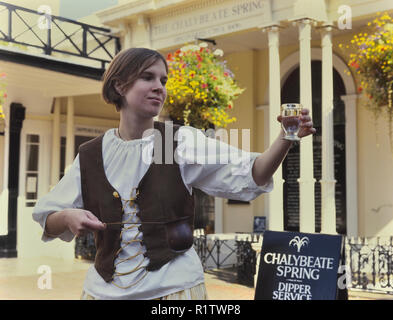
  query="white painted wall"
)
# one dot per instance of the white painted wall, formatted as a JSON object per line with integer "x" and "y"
{"x": 29, "y": 232}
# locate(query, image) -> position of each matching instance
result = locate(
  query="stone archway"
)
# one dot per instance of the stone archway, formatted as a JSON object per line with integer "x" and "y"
{"x": 348, "y": 102}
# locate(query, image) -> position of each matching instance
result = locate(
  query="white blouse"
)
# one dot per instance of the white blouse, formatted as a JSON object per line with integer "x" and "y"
{"x": 208, "y": 164}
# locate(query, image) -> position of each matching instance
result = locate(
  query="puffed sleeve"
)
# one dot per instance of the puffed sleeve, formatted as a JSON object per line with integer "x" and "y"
{"x": 66, "y": 194}
{"x": 216, "y": 167}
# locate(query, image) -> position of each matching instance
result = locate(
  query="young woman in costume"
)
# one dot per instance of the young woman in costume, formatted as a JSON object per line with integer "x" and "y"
{"x": 141, "y": 212}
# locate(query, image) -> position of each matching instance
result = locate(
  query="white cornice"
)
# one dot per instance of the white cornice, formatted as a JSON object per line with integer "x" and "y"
{"x": 126, "y": 11}
{"x": 123, "y": 11}
{"x": 317, "y": 10}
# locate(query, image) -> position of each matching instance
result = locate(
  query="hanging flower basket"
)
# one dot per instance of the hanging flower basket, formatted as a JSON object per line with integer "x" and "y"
{"x": 201, "y": 89}
{"x": 372, "y": 61}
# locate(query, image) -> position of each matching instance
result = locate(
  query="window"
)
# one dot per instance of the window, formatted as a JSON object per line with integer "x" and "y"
{"x": 32, "y": 152}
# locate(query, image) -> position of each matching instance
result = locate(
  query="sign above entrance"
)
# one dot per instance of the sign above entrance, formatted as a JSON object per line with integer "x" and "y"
{"x": 207, "y": 19}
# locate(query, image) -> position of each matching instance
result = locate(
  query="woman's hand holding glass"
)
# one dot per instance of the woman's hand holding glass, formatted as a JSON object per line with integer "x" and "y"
{"x": 296, "y": 122}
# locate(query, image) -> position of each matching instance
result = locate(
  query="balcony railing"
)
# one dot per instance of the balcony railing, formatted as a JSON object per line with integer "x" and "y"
{"x": 53, "y": 35}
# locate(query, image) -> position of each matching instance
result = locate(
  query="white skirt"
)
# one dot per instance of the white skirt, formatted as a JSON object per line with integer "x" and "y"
{"x": 195, "y": 293}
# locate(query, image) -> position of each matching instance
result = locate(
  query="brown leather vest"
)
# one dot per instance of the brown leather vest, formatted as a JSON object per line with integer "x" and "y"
{"x": 166, "y": 209}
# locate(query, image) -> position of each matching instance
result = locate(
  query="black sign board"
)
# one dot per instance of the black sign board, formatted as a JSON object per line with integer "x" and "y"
{"x": 298, "y": 266}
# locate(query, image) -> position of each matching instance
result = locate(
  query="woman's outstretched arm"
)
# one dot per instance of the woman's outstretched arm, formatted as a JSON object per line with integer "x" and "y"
{"x": 268, "y": 162}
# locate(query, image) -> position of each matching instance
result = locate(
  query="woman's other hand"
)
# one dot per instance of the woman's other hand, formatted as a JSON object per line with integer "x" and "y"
{"x": 80, "y": 221}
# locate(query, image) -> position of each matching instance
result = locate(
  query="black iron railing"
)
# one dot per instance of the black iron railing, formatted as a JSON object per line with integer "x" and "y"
{"x": 200, "y": 246}
{"x": 218, "y": 253}
{"x": 53, "y": 34}
{"x": 85, "y": 247}
{"x": 371, "y": 263}
{"x": 215, "y": 253}
{"x": 246, "y": 261}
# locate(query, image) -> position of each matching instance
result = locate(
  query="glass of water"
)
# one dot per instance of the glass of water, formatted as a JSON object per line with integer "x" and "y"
{"x": 290, "y": 121}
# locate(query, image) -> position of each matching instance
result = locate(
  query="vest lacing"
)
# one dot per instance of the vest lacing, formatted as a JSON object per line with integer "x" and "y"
{"x": 130, "y": 202}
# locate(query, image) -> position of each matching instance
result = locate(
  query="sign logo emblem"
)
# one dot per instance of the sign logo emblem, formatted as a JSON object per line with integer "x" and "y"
{"x": 299, "y": 243}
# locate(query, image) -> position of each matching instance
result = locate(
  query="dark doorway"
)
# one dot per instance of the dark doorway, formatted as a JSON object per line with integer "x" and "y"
{"x": 290, "y": 92}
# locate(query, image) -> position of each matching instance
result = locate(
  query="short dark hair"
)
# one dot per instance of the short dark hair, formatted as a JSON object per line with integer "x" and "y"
{"x": 124, "y": 69}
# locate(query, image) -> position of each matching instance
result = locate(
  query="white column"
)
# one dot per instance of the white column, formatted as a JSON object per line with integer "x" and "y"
{"x": 257, "y": 247}
{"x": 218, "y": 215}
{"x": 137, "y": 32}
{"x": 306, "y": 180}
{"x": 275, "y": 214}
{"x": 55, "y": 168}
{"x": 143, "y": 32}
{"x": 70, "y": 144}
{"x": 127, "y": 35}
{"x": 4, "y": 177}
{"x": 328, "y": 201}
